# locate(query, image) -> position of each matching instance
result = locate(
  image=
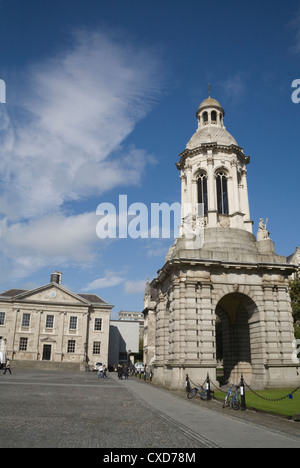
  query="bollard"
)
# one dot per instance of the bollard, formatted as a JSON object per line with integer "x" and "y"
{"x": 151, "y": 375}
{"x": 187, "y": 384}
{"x": 208, "y": 387}
{"x": 243, "y": 394}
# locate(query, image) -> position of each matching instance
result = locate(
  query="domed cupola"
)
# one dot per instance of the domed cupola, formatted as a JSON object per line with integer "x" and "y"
{"x": 210, "y": 112}
{"x": 211, "y": 128}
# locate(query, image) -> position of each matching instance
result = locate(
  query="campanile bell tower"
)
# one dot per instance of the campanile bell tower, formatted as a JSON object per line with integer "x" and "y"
{"x": 214, "y": 172}
{"x": 225, "y": 298}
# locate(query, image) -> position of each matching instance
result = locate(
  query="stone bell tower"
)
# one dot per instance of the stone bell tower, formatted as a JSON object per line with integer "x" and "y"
{"x": 214, "y": 172}
{"x": 226, "y": 294}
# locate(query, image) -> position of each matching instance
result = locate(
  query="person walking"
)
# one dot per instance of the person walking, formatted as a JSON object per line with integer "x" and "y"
{"x": 7, "y": 367}
{"x": 100, "y": 371}
{"x": 104, "y": 372}
{"x": 120, "y": 372}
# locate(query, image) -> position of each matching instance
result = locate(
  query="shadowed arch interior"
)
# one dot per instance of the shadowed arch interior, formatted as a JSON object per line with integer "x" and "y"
{"x": 234, "y": 312}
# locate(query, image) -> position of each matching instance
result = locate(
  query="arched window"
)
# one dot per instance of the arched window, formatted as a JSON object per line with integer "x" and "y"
{"x": 222, "y": 193}
{"x": 202, "y": 191}
{"x": 213, "y": 116}
{"x": 205, "y": 117}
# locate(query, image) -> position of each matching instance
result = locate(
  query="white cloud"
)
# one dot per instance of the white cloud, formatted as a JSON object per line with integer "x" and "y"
{"x": 62, "y": 140}
{"x": 295, "y": 26}
{"x": 108, "y": 281}
{"x": 234, "y": 86}
{"x": 55, "y": 239}
{"x": 75, "y": 110}
{"x": 135, "y": 287}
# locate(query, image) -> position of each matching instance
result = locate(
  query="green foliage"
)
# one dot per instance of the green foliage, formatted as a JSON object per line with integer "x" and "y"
{"x": 287, "y": 407}
{"x": 295, "y": 297}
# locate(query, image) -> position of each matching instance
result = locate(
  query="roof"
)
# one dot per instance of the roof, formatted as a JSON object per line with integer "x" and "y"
{"x": 210, "y": 102}
{"x": 211, "y": 134}
{"x": 295, "y": 257}
{"x": 13, "y": 292}
{"x": 92, "y": 298}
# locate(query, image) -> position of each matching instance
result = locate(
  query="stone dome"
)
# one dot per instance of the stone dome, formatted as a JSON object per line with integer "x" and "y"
{"x": 210, "y": 102}
{"x": 211, "y": 129}
{"x": 211, "y": 134}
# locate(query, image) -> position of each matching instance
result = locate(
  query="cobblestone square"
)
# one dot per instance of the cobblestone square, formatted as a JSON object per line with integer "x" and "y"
{"x": 53, "y": 409}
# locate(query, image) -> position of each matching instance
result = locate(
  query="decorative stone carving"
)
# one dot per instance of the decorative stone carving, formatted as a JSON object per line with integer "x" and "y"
{"x": 263, "y": 233}
{"x": 224, "y": 221}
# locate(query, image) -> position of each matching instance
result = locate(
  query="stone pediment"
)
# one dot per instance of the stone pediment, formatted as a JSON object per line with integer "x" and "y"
{"x": 48, "y": 339}
{"x": 51, "y": 293}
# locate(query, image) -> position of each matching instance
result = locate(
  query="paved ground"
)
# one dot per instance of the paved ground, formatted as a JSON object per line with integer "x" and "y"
{"x": 53, "y": 409}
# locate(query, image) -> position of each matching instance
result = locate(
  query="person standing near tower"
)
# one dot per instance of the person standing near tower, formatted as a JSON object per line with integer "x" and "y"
{"x": 7, "y": 367}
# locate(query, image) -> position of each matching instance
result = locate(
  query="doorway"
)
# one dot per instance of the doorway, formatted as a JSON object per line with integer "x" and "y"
{"x": 47, "y": 352}
{"x": 233, "y": 335}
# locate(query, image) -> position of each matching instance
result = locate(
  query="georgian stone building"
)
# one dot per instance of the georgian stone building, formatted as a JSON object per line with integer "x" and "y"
{"x": 218, "y": 272}
{"x": 54, "y": 327}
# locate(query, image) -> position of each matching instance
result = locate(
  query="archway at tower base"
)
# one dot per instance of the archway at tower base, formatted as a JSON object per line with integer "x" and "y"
{"x": 234, "y": 312}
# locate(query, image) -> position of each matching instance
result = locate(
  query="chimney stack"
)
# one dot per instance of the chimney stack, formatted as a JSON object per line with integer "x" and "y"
{"x": 56, "y": 277}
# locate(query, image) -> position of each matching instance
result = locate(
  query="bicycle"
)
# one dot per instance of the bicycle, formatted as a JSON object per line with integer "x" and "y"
{"x": 202, "y": 393}
{"x": 233, "y": 398}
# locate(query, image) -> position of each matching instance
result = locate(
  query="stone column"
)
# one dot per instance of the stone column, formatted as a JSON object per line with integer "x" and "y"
{"x": 271, "y": 332}
{"x": 160, "y": 351}
{"x": 207, "y": 320}
{"x": 211, "y": 189}
{"x": 175, "y": 337}
{"x": 284, "y": 323}
{"x": 191, "y": 338}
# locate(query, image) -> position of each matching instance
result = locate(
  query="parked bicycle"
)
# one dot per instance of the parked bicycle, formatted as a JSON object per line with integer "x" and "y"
{"x": 201, "y": 392}
{"x": 233, "y": 398}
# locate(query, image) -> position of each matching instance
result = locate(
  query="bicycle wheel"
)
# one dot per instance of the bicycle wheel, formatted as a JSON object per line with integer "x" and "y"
{"x": 236, "y": 404}
{"x": 192, "y": 393}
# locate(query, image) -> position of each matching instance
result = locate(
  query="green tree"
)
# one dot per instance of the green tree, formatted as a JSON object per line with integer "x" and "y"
{"x": 295, "y": 297}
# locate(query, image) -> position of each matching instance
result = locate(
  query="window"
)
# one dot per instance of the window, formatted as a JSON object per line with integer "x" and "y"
{"x": 71, "y": 346}
{"x": 96, "y": 347}
{"x": 222, "y": 193}
{"x": 49, "y": 321}
{"x": 26, "y": 320}
{"x": 23, "y": 344}
{"x": 202, "y": 192}
{"x": 73, "y": 323}
{"x": 98, "y": 324}
{"x": 213, "y": 116}
{"x": 2, "y": 318}
{"x": 205, "y": 117}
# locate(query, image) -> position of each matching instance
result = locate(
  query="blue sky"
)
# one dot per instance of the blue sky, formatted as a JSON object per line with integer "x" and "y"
{"x": 101, "y": 99}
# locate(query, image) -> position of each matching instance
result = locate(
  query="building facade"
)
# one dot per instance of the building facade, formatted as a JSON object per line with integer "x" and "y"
{"x": 218, "y": 277}
{"x": 123, "y": 341}
{"x": 51, "y": 324}
{"x": 129, "y": 316}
